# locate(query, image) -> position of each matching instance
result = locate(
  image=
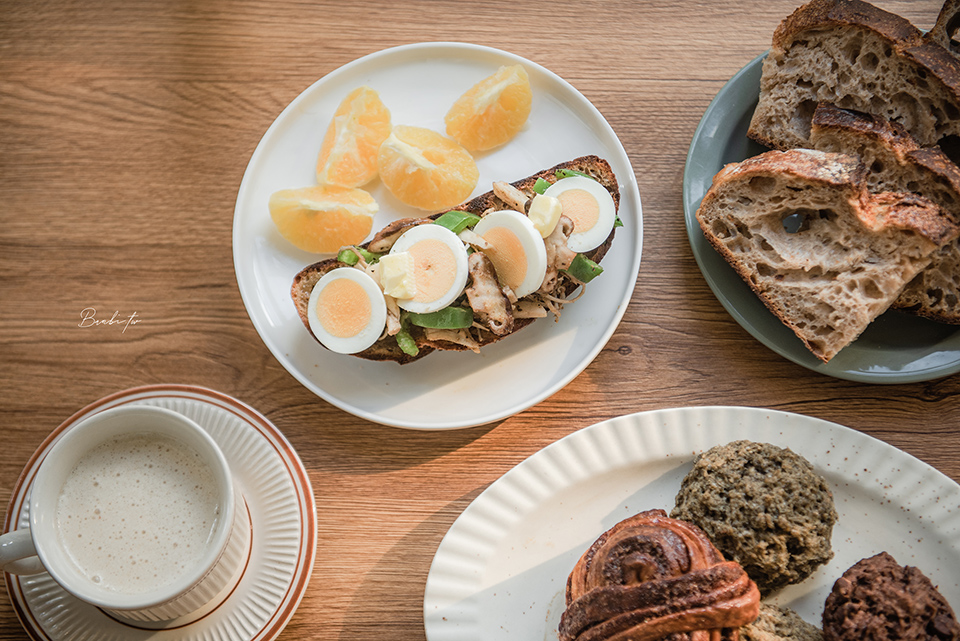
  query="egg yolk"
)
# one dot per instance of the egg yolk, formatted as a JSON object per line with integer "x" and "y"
{"x": 435, "y": 267}
{"x": 580, "y": 206}
{"x": 507, "y": 256}
{"x": 343, "y": 308}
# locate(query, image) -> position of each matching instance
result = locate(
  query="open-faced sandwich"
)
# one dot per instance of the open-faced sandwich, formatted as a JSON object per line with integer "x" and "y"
{"x": 468, "y": 277}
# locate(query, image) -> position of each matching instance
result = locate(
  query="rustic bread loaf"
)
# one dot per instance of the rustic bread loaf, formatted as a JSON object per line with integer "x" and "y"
{"x": 946, "y": 32}
{"x": 856, "y": 56}
{"x": 895, "y": 162}
{"x": 822, "y": 253}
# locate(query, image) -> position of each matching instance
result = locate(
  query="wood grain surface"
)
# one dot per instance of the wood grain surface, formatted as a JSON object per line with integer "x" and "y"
{"x": 125, "y": 129}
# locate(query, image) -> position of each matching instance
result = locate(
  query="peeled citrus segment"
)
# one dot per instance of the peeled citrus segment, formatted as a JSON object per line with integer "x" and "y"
{"x": 425, "y": 169}
{"x": 348, "y": 155}
{"x": 323, "y": 218}
{"x": 492, "y": 111}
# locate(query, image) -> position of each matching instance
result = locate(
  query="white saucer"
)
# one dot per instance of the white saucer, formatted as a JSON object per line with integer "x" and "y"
{"x": 278, "y": 494}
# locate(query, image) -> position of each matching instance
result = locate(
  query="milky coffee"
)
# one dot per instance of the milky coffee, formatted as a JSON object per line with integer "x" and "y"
{"x": 137, "y": 511}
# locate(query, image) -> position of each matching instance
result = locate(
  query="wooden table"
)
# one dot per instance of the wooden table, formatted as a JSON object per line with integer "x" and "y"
{"x": 126, "y": 128}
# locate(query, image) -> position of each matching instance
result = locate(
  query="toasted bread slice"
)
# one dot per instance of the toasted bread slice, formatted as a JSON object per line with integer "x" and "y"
{"x": 895, "y": 162}
{"x": 821, "y": 252}
{"x": 856, "y": 56}
{"x": 387, "y": 349}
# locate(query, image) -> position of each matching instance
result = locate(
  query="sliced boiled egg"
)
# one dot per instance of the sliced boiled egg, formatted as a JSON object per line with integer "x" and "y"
{"x": 590, "y": 206}
{"x": 439, "y": 267}
{"x": 347, "y": 312}
{"x": 516, "y": 250}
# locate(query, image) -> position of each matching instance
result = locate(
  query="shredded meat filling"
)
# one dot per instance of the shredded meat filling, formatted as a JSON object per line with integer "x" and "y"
{"x": 529, "y": 309}
{"x": 393, "y": 315}
{"x": 511, "y": 196}
{"x": 559, "y": 256}
{"x": 456, "y": 336}
{"x": 384, "y": 239}
{"x": 491, "y": 307}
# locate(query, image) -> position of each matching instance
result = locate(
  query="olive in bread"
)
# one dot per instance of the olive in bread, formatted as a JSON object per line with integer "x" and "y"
{"x": 821, "y": 252}
{"x": 487, "y": 307}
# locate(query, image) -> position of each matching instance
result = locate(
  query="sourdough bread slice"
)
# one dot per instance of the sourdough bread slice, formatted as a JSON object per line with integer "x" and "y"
{"x": 387, "y": 349}
{"x": 895, "y": 162}
{"x": 946, "y": 32}
{"x": 821, "y": 252}
{"x": 856, "y": 56}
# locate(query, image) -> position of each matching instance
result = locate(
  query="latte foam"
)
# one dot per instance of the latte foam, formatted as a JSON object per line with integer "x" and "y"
{"x": 137, "y": 512}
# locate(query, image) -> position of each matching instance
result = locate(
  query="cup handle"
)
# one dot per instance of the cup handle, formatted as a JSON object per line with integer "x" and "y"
{"x": 17, "y": 553}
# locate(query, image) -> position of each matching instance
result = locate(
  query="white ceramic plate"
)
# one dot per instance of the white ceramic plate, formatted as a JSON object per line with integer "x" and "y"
{"x": 896, "y": 348}
{"x": 277, "y": 490}
{"x": 418, "y": 83}
{"x": 501, "y": 569}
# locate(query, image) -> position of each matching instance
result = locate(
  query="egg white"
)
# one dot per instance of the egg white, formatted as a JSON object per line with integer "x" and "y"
{"x": 583, "y": 240}
{"x": 530, "y": 241}
{"x": 435, "y": 232}
{"x": 378, "y": 313}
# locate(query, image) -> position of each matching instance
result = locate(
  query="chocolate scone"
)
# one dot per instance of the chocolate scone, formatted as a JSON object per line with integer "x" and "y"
{"x": 764, "y": 507}
{"x": 777, "y": 623}
{"x": 879, "y": 600}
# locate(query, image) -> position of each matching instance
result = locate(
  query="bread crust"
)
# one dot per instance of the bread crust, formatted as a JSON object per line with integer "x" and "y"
{"x": 896, "y": 30}
{"x": 830, "y": 118}
{"x": 924, "y": 91}
{"x": 847, "y": 131}
{"x": 939, "y": 63}
{"x": 845, "y": 174}
{"x": 387, "y": 349}
{"x": 898, "y": 163}
{"x": 827, "y": 281}
{"x": 842, "y": 172}
{"x": 821, "y": 14}
{"x": 947, "y": 20}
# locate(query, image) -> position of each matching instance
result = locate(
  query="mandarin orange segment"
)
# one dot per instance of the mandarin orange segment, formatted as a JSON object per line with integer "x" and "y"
{"x": 492, "y": 111}
{"x": 323, "y": 218}
{"x": 348, "y": 155}
{"x": 425, "y": 169}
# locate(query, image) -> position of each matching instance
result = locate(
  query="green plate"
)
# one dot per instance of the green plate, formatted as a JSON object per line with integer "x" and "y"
{"x": 895, "y": 348}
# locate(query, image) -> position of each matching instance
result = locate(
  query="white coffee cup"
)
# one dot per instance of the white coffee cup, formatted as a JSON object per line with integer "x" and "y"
{"x": 173, "y": 549}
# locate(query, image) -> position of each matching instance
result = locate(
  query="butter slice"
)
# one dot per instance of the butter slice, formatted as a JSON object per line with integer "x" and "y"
{"x": 545, "y": 213}
{"x": 397, "y": 275}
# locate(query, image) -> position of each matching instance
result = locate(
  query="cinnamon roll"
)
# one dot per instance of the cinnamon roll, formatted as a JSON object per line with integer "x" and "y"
{"x": 652, "y": 577}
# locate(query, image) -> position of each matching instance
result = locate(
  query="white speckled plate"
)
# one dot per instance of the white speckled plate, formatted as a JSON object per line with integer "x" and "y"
{"x": 279, "y": 497}
{"x": 449, "y": 390}
{"x": 500, "y": 571}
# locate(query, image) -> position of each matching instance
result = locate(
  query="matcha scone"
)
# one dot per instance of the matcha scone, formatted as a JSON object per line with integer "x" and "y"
{"x": 764, "y": 507}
